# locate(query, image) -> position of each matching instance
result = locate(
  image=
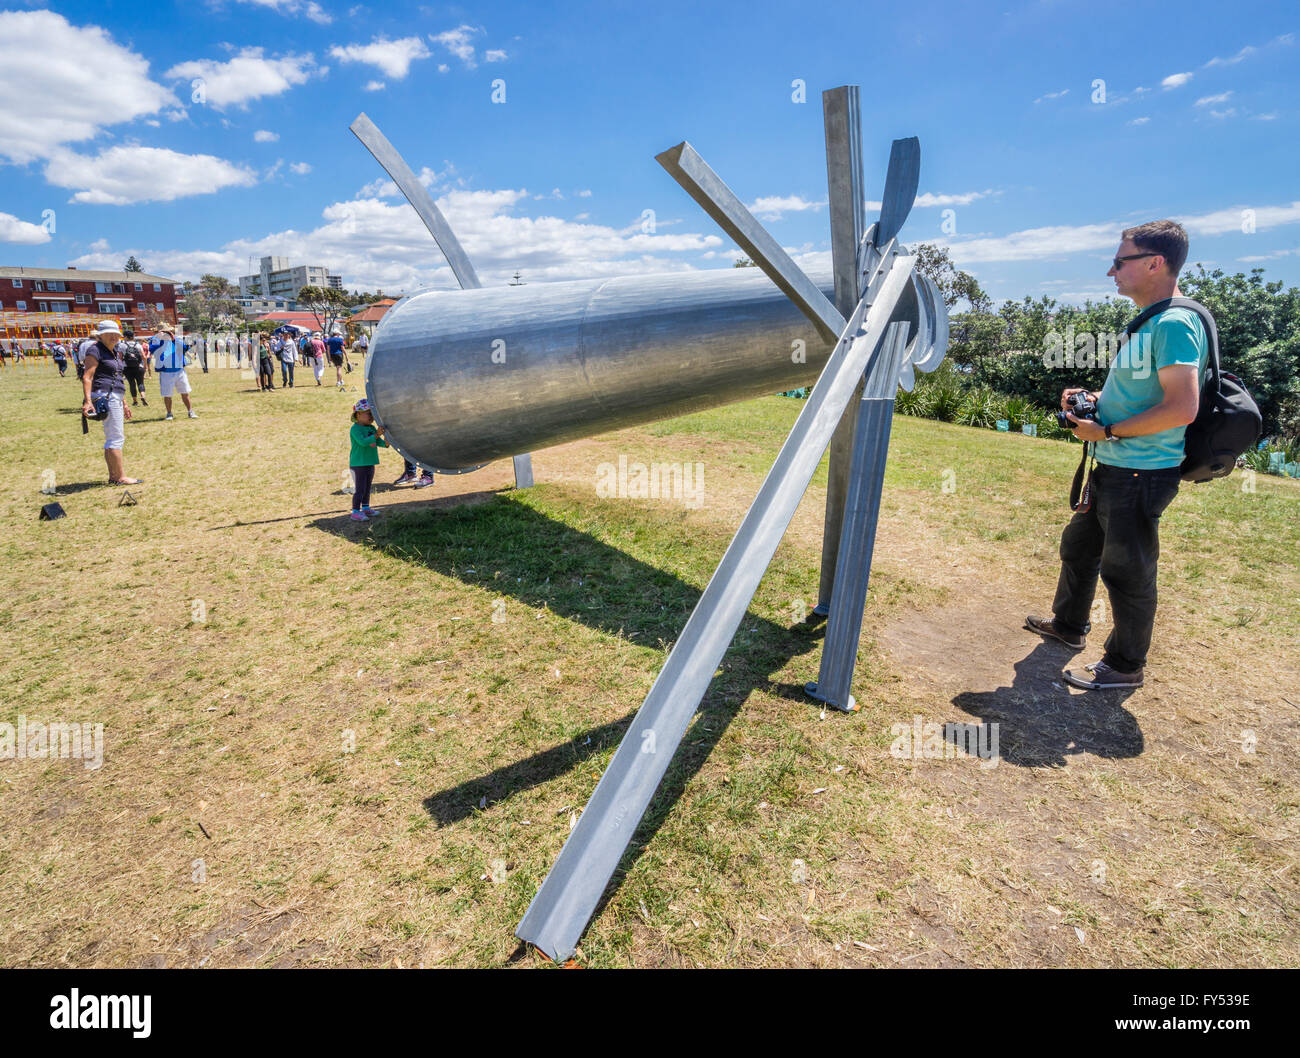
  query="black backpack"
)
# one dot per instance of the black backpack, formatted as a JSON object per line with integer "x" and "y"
{"x": 1228, "y": 422}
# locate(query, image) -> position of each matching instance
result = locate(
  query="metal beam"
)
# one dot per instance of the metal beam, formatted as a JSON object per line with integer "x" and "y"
{"x": 901, "y": 182}
{"x": 718, "y": 200}
{"x": 873, "y": 414}
{"x": 568, "y": 896}
{"x": 418, "y": 196}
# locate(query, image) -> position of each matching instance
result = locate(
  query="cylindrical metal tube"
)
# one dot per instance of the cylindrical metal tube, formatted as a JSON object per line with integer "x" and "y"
{"x": 460, "y": 378}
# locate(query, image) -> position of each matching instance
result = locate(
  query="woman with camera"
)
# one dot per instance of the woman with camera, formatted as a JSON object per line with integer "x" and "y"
{"x": 104, "y": 388}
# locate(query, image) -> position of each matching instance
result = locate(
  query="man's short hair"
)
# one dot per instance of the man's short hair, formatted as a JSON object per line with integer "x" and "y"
{"x": 1165, "y": 237}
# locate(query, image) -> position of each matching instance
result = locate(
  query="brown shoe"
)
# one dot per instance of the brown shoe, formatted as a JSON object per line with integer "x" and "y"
{"x": 1101, "y": 677}
{"x": 1045, "y": 626}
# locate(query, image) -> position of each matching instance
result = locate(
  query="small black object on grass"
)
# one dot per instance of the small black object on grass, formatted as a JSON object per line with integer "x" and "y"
{"x": 51, "y": 511}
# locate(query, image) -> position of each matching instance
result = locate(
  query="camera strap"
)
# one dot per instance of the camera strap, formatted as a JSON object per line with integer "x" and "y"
{"x": 1081, "y": 489}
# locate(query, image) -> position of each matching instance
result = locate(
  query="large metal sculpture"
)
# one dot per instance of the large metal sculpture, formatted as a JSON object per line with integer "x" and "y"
{"x": 462, "y": 378}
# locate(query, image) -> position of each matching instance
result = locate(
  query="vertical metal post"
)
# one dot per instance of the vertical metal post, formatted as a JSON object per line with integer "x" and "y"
{"x": 873, "y": 416}
{"x": 841, "y": 114}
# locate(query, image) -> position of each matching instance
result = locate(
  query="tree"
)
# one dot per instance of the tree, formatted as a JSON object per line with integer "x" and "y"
{"x": 954, "y": 284}
{"x": 743, "y": 262}
{"x": 325, "y": 303}
{"x": 211, "y": 305}
{"x": 132, "y": 265}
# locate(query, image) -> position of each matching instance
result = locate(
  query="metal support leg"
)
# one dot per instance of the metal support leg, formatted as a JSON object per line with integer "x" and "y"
{"x": 524, "y": 471}
{"x": 873, "y": 416}
{"x": 841, "y": 115}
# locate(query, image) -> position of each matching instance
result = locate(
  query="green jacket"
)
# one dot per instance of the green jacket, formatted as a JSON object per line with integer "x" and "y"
{"x": 365, "y": 446}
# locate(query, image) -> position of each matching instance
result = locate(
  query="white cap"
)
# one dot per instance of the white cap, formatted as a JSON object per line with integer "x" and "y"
{"x": 107, "y": 327}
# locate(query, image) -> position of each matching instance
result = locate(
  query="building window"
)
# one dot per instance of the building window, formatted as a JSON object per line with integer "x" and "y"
{"x": 17, "y": 282}
{"x": 38, "y": 285}
{"x": 103, "y": 288}
{"x": 139, "y": 286}
{"x": 158, "y": 288}
{"x": 83, "y": 299}
{"x": 139, "y": 306}
{"x": 43, "y": 306}
{"x": 112, "y": 306}
{"x": 21, "y": 306}
{"x": 158, "y": 305}
{"x": 56, "y": 286}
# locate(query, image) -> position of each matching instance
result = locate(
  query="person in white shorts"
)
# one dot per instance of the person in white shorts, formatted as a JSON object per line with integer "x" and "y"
{"x": 103, "y": 380}
{"x": 170, "y": 364}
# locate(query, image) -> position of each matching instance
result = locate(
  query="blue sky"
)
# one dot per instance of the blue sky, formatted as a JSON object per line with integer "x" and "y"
{"x": 1040, "y": 165}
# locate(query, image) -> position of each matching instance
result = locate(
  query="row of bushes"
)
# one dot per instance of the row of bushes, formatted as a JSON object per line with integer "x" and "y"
{"x": 948, "y": 396}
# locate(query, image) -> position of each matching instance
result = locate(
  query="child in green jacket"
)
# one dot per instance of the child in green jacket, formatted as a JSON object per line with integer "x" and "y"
{"x": 366, "y": 442}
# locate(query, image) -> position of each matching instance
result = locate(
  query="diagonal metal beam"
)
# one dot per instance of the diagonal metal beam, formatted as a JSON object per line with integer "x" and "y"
{"x": 569, "y": 895}
{"x": 418, "y": 196}
{"x": 718, "y": 200}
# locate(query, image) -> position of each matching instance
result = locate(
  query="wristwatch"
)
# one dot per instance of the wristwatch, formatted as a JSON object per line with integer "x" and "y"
{"x": 1110, "y": 436}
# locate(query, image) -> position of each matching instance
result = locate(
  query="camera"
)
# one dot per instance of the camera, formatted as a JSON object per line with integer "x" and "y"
{"x": 1081, "y": 405}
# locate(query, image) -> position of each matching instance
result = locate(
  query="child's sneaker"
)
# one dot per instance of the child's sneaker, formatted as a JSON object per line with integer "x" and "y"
{"x": 425, "y": 481}
{"x": 359, "y": 516}
{"x": 370, "y": 512}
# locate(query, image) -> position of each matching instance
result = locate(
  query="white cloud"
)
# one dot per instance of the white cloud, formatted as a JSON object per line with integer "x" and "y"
{"x": 1224, "y": 114}
{"x": 373, "y": 86}
{"x": 249, "y": 75}
{"x": 495, "y": 55}
{"x": 120, "y": 176}
{"x": 22, "y": 232}
{"x": 1139, "y": 121}
{"x": 457, "y": 41}
{"x": 392, "y": 57}
{"x": 301, "y": 168}
{"x": 1272, "y": 116}
{"x": 1061, "y": 241}
{"x": 1176, "y": 80}
{"x": 1231, "y": 60}
{"x": 1206, "y": 101}
{"x": 264, "y": 136}
{"x": 774, "y": 207}
{"x": 307, "y": 8}
{"x": 928, "y": 198}
{"x": 50, "y": 94}
{"x": 379, "y": 243}
{"x": 443, "y": 67}
{"x": 1053, "y": 95}
{"x": 585, "y": 193}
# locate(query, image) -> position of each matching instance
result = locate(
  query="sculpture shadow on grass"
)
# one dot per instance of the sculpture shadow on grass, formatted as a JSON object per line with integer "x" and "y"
{"x": 1041, "y": 721}
{"x": 544, "y": 562}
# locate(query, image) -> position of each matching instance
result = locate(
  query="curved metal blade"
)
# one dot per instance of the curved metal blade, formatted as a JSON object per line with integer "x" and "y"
{"x": 901, "y": 182}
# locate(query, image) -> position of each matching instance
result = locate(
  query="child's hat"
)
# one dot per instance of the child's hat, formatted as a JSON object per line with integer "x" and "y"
{"x": 361, "y": 405}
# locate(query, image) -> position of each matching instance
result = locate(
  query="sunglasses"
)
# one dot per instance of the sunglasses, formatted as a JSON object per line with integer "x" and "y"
{"x": 1119, "y": 261}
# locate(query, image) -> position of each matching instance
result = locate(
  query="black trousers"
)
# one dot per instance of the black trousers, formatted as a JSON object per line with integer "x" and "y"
{"x": 1118, "y": 540}
{"x": 362, "y": 478}
{"x": 136, "y": 380}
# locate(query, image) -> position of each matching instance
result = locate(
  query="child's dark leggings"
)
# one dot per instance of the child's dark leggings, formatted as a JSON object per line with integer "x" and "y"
{"x": 136, "y": 378}
{"x": 362, "y": 477}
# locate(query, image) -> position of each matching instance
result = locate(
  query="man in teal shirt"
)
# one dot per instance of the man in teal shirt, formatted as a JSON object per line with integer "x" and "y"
{"x": 1151, "y": 394}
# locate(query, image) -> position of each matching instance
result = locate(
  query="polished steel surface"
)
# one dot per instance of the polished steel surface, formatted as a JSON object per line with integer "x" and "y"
{"x": 563, "y": 905}
{"x": 463, "y": 378}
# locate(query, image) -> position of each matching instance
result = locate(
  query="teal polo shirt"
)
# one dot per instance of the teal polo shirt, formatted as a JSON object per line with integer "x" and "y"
{"x": 1175, "y": 336}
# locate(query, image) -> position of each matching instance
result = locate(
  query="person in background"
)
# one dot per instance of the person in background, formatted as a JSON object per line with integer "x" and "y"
{"x": 170, "y": 362}
{"x": 363, "y": 343}
{"x": 79, "y": 354}
{"x": 337, "y": 355}
{"x": 316, "y": 353}
{"x": 366, "y": 441}
{"x": 60, "y": 358}
{"x": 133, "y": 356}
{"x": 102, "y": 378}
{"x": 265, "y": 365}
{"x": 288, "y": 357}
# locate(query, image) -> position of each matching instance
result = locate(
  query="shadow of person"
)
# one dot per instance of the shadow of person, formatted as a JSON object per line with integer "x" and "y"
{"x": 512, "y": 549}
{"x": 1041, "y": 720}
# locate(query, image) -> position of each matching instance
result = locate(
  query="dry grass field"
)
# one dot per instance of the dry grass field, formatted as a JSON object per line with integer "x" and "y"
{"x": 336, "y": 744}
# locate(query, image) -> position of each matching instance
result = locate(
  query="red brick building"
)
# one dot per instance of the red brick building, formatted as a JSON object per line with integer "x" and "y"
{"x": 42, "y": 299}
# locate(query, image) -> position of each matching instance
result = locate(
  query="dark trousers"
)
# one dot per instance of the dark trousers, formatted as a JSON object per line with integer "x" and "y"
{"x": 362, "y": 478}
{"x": 1119, "y": 540}
{"x": 136, "y": 380}
{"x": 266, "y": 373}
